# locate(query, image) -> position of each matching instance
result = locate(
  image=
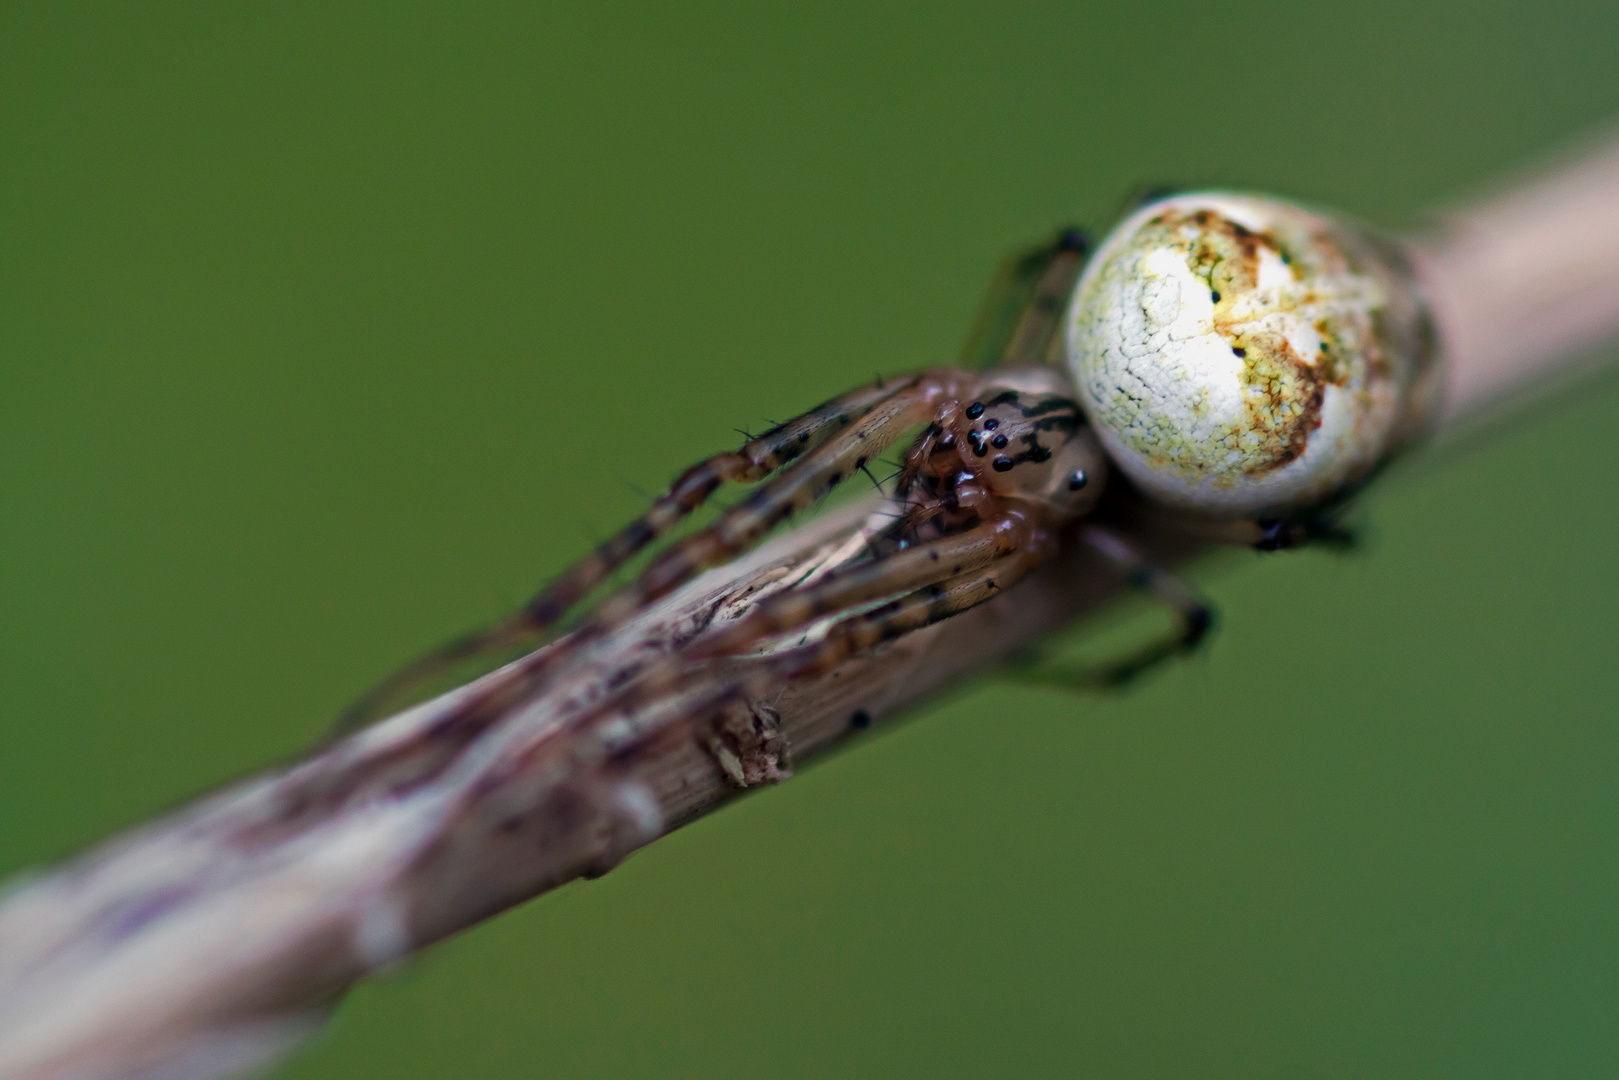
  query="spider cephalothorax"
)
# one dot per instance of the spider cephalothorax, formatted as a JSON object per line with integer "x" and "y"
{"x": 1021, "y": 439}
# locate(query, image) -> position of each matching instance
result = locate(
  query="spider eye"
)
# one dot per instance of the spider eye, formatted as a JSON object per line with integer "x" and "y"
{"x": 1239, "y": 354}
{"x": 1002, "y": 463}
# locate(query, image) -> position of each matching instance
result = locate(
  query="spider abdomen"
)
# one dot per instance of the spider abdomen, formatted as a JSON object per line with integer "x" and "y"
{"x": 1241, "y": 355}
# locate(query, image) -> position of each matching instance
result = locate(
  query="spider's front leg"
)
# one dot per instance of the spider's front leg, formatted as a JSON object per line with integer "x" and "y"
{"x": 756, "y": 460}
{"x": 914, "y": 611}
{"x": 795, "y": 489}
{"x": 823, "y": 447}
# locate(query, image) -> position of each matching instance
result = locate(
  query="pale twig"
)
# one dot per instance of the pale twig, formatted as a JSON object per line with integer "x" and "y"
{"x": 211, "y": 939}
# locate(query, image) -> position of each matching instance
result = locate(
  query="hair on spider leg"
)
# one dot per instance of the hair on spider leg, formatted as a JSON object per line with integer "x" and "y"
{"x": 635, "y": 489}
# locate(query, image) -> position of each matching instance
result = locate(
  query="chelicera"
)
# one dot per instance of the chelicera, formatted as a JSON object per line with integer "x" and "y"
{"x": 1009, "y": 462}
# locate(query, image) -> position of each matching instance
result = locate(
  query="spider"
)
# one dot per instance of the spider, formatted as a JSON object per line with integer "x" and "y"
{"x": 1243, "y": 362}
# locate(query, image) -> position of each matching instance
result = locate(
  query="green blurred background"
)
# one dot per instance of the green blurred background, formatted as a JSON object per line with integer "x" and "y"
{"x": 330, "y": 329}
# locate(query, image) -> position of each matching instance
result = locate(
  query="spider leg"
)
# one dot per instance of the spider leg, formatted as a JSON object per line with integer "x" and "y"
{"x": 1196, "y": 620}
{"x": 917, "y": 609}
{"x": 741, "y": 527}
{"x": 1018, "y": 321}
{"x": 756, "y": 460}
{"x": 920, "y": 567}
{"x": 1326, "y": 525}
{"x": 920, "y": 608}
{"x": 1322, "y": 529}
{"x": 919, "y": 512}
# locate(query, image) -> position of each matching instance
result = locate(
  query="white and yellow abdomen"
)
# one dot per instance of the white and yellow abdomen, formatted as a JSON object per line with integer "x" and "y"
{"x": 1242, "y": 356}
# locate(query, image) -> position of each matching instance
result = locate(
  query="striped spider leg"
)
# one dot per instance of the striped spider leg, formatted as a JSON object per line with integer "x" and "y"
{"x": 829, "y": 444}
{"x": 757, "y": 459}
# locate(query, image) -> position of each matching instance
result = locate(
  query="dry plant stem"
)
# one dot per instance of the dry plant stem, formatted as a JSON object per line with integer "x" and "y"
{"x": 209, "y": 940}
{"x": 1523, "y": 281}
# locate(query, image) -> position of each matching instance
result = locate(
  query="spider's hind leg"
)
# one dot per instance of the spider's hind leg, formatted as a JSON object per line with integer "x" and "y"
{"x": 1195, "y": 616}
